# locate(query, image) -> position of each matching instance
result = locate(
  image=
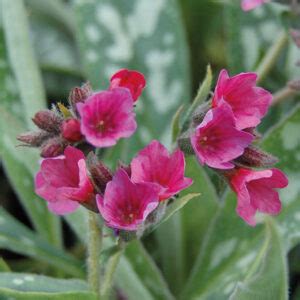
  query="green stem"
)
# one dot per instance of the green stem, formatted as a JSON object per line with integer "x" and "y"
{"x": 283, "y": 94}
{"x": 94, "y": 247}
{"x": 109, "y": 274}
{"x": 271, "y": 56}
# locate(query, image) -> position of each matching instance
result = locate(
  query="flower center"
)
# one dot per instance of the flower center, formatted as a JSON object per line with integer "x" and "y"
{"x": 203, "y": 141}
{"x": 129, "y": 218}
{"x": 101, "y": 126}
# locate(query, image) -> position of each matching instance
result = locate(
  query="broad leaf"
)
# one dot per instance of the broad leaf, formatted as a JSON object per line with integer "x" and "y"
{"x": 16, "y": 237}
{"x": 21, "y": 164}
{"x": 34, "y": 287}
{"x": 267, "y": 277}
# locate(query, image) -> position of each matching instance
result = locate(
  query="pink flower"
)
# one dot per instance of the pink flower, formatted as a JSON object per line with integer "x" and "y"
{"x": 249, "y": 103}
{"x": 70, "y": 130}
{"x": 216, "y": 141}
{"x": 154, "y": 164}
{"x": 133, "y": 80}
{"x": 107, "y": 116}
{"x": 256, "y": 191}
{"x": 251, "y": 4}
{"x": 63, "y": 182}
{"x": 125, "y": 204}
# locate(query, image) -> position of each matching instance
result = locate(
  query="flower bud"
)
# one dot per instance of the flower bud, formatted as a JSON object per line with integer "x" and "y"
{"x": 255, "y": 157}
{"x": 53, "y": 147}
{"x": 184, "y": 143}
{"x": 294, "y": 84}
{"x": 295, "y": 34}
{"x": 80, "y": 94}
{"x": 70, "y": 130}
{"x": 99, "y": 172}
{"x": 200, "y": 112}
{"x": 33, "y": 139}
{"x": 48, "y": 121}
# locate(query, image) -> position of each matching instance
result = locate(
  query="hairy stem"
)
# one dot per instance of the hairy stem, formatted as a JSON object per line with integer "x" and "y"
{"x": 271, "y": 56}
{"x": 109, "y": 274}
{"x": 93, "y": 258}
{"x": 283, "y": 94}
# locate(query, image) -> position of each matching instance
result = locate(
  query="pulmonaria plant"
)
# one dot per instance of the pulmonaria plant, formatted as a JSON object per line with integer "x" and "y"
{"x": 221, "y": 135}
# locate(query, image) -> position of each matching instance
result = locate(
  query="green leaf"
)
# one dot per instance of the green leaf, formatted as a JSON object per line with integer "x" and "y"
{"x": 197, "y": 214}
{"x": 16, "y": 237}
{"x": 19, "y": 170}
{"x": 16, "y": 295}
{"x": 29, "y": 286}
{"x": 176, "y": 206}
{"x": 4, "y": 266}
{"x": 147, "y": 271}
{"x": 176, "y": 123}
{"x": 283, "y": 141}
{"x": 267, "y": 278}
{"x": 143, "y": 35}
{"x": 22, "y": 59}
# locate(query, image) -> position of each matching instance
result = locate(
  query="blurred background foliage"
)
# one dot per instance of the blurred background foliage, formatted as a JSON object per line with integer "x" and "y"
{"x": 205, "y": 251}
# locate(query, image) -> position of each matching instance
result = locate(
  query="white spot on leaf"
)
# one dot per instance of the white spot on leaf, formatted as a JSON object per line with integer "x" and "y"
{"x": 17, "y": 281}
{"x": 290, "y": 136}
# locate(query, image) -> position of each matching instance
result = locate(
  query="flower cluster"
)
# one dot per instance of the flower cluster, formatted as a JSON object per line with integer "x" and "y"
{"x": 98, "y": 118}
{"x": 68, "y": 178}
{"x": 125, "y": 198}
{"x": 221, "y": 137}
{"x": 251, "y": 4}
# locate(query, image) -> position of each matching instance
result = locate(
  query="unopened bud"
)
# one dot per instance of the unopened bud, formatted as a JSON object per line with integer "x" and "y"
{"x": 48, "y": 121}
{"x": 295, "y": 34}
{"x": 257, "y": 135}
{"x": 294, "y": 84}
{"x": 80, "y": 94}
{"x": 184, "y": 143}
{"x": 33, "y": 139}
{"x": 200, "y": 112}
{"x": 99, "y": 172}
{"x": 53, "y": 147}
{"x": 70, "y": 130}
{"x": 255, "y": 157}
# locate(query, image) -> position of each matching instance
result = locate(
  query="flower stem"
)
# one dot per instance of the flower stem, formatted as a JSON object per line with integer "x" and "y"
{"x": 283, "y": 94}
{"x": 109, "y": 274}
{"x": 271, "y": 56}
{"x": 93, "y": 259}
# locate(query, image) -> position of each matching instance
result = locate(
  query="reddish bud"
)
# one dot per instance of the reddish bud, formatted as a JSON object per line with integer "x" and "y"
{"x": 255, "y": 157}
{"x": 53, "y": 147}
{"x": 99, "y": 172}
{"x": 294, "y": 84}
{"x": 295, "y": 34}
{"x": 48, "y": 121}
{"x": 71, "y": 130}
{"x": 33, "y": 139}
{"x": 80, "y": 94}
{"x": 133, "y": 80}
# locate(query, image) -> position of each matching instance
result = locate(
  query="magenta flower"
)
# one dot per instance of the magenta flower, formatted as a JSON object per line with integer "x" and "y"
{"x": 154, "y": 164}
{"x": 256, "y": 191}
{"x": 63, "y": 181}
{"x": 133, "y": 80}
{"x": 248, "y": 102}
{"x": 251, "y": 4}
{"x": 107, "y": 116}
{"x": 126, "y": 205}
{"x": 216, "y": 141}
